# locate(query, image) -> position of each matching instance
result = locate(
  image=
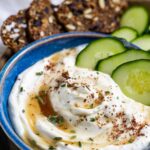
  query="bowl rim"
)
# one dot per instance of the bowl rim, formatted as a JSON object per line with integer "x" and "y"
{"x": 11, "y": 134}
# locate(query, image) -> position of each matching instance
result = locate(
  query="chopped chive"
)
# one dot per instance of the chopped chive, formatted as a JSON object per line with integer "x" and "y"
{"x": 107, "y": 92}
{"x": 58, "y": 138}
{"x": 72, "y": 131}
{"x": 131, "y": 140}
{"x": 80, "y": 144}
{"x": 90, "y": 139}
{"x": 73, "y": 137}
{"x": 21, "y": 89}
{"x": 33, "y": 143}
{"x": 63, "y": 85}
{"x": 51, "y": 148}
{"x": 37, "y": 134}
{"x": 39, "y": 73}
{"x": 91, "y": 106}
{"x": 56, "y": 119}
{"x": 92, "y": 119}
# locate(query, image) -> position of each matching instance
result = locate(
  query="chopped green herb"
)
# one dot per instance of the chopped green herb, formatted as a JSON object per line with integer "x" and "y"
{"x": 97, "y": 72}
{"x": 92, "y": 119}
{"x": 72, "y": 131}
{"x": 80, "y": 144}
{"x": 131, "y": 140}
{"x": 33, "y": 143}
{"x": 39, "y": 73}
{"x": 91, "y": 106}
{"x": 58, "y": 138}
{"x": 21, "y": 89}
{"x": 63, "y": 85}
{"x": 56, "y": 119}
{"x": 51, "y": 148}
{"x": 90, "y": 139}
{"x": 37, "y": 134}
{"x": 73, "y": 137}
{"x": 40, "y": 99}
{"x": 107, "y": 92}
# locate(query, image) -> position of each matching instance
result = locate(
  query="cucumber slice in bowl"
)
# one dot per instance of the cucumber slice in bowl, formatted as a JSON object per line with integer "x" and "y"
{"x": 126, "y": 33}
{"x": 136, "y": 17}
{"x": 143, "y": 42}
{"x": 98, "y": 50}
{"x": 134, "y": 80}
{"x": 108, "y": 65}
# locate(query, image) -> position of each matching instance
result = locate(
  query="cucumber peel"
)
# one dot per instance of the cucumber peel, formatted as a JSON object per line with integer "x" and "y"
{"x": 108, "y": 65}
{"x": 136, "y": 17}
{"x": 143, "y": 42}
{"x": 98, "y": 50}
{"x": 126, "y": 33}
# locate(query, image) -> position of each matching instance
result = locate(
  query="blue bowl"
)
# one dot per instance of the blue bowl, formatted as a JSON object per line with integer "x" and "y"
{"x": 29, "y": 56}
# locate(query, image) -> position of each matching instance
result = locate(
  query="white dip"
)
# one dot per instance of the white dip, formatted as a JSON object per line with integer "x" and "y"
{"x": 56, "y": 105}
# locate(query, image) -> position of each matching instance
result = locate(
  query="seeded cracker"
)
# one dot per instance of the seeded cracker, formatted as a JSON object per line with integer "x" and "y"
{"x": 13, "y": 31}
{"x": 42, "y": 22}
{"x": 90, "y": 15}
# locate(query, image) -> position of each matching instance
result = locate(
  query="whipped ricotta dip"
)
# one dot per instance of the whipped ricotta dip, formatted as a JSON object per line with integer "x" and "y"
{"x": 55, "y": 105}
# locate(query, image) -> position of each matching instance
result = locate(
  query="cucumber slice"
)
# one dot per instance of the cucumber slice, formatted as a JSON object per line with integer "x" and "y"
{"x": 98, "y": 50}
{"x": 126, "y": 33}
{"x": 108, "y": 65}
{"x": 136, "y": 17}
{"x": 143, "y": 42}
{"x": 134, "y": 80}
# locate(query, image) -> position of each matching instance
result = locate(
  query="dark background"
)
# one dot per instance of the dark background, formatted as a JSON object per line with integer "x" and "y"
{"x": 5, "y": 143}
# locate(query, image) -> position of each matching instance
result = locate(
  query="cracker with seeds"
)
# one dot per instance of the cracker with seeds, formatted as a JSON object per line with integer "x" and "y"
{"x": 13, "y": 31}
{"x": 90, "y": 15}
{"x": 41, "y": 21}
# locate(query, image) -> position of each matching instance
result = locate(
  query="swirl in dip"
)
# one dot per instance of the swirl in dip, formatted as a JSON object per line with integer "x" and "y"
{"x": 56, "y": 105}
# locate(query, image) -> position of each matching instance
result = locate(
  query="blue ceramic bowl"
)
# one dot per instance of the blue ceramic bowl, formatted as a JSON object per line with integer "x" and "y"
{"x": 27, "y": 57}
